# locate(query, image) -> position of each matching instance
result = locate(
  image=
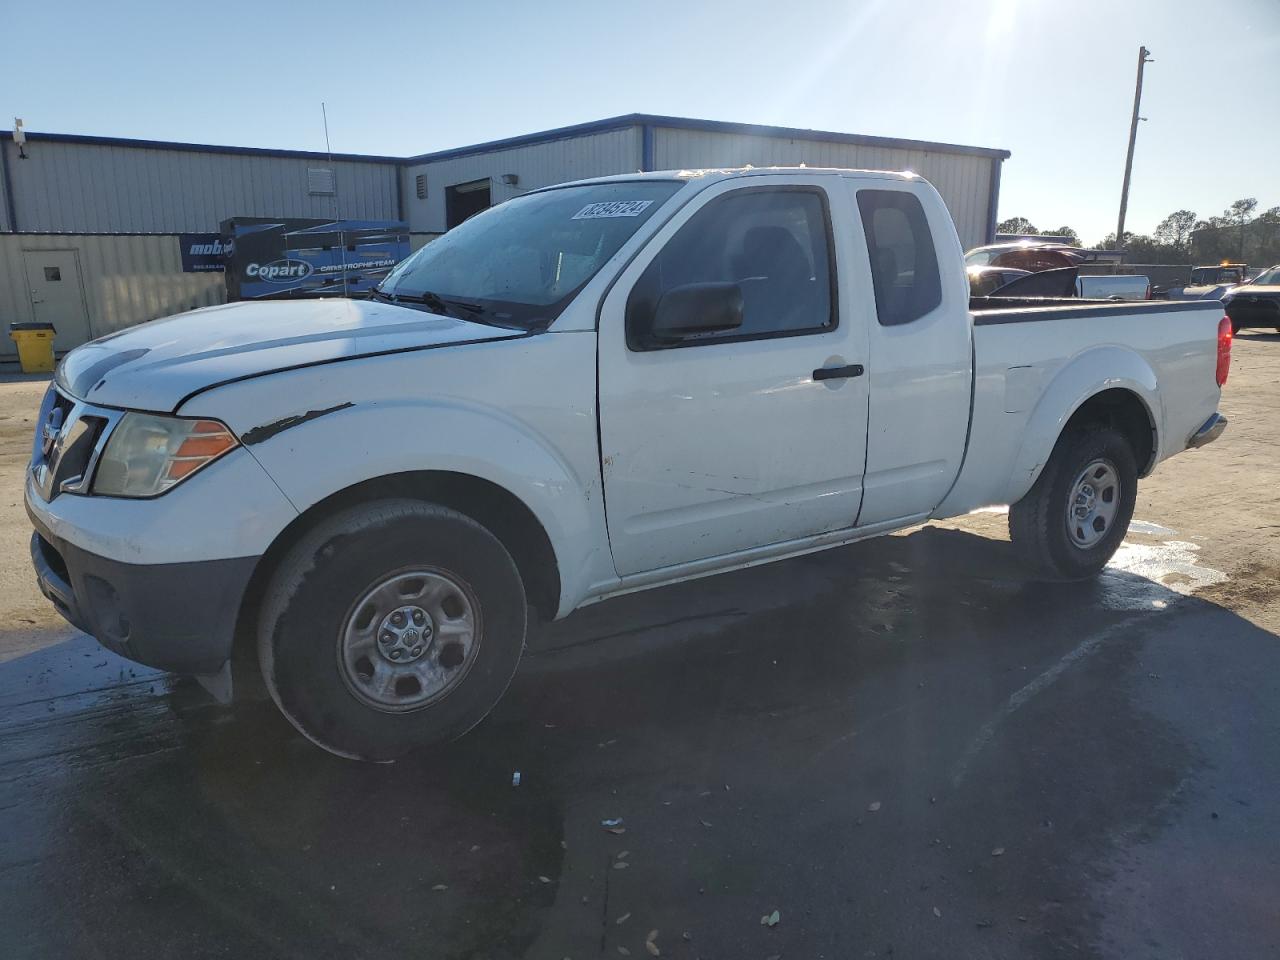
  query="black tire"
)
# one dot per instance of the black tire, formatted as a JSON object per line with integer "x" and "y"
{"x": 312, "y": 600}
{"x": 1038, "y": 522}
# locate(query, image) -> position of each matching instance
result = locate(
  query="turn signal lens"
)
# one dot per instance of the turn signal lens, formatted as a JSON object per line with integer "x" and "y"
{"x": 147, "y": 454}
{"x": 1224, "y": 350}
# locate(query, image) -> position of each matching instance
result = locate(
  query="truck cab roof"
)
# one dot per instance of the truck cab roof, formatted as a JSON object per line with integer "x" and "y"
{"x": 713, "y": 174}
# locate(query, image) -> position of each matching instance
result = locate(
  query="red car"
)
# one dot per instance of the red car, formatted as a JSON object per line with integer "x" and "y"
{"x": 1023, "y": 255}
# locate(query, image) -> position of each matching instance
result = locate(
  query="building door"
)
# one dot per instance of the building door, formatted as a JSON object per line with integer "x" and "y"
{"x": 464, "y": 200}
{"x": 57, "y": 297}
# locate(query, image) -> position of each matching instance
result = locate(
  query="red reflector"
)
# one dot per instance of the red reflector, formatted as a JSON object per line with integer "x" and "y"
{"x": 1224, "y": 350}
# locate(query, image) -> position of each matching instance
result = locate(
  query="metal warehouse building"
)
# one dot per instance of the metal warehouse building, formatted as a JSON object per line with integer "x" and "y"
{"x": 91, "y": 227}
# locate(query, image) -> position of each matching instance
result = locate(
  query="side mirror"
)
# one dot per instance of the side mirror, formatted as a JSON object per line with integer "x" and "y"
{"x": 697, "y": 308}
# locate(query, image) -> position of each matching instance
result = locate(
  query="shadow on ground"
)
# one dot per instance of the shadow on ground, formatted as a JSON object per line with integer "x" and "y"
{"x": 903, "y": 746}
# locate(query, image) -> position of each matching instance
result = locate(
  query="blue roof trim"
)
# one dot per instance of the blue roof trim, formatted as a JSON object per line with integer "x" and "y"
{"x": 196, "y": 147}
{"x": 709, "y": 126}
{"x": 544, "y": 136}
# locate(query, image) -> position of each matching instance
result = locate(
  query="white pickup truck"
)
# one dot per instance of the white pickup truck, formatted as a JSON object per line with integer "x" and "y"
{"x": 592, "y": 389}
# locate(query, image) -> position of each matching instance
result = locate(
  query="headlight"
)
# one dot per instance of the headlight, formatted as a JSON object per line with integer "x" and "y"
{"x": 148, "y": 454}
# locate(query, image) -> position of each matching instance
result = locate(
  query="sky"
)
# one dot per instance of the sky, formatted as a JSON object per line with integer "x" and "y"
{"x": 1050, "y": 80}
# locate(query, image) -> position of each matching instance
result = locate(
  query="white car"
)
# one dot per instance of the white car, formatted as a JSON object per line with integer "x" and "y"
{"x": 589, "y": 390}
{"x": 1113, "y": 286}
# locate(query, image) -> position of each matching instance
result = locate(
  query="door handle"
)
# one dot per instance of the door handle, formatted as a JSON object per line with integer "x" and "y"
{"x": 838, "y": 373}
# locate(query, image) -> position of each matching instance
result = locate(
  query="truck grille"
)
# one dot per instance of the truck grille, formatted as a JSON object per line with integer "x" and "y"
{"x": 67, "y": 444}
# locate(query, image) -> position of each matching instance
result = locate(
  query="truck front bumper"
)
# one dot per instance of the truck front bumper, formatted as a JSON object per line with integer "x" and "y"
{"x": 172, "y": 616}
{"x": 1209, "y": 431}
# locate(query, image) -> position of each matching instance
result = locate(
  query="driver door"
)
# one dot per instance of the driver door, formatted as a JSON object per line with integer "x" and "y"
{"x": 723, "y": 442}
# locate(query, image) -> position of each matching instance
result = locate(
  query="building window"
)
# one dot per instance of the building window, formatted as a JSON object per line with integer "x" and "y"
{"x": 53, "y": 274}
{"x": 420, "y": 186}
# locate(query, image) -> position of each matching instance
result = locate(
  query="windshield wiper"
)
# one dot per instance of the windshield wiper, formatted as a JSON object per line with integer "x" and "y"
{"x": 433, "y": 300}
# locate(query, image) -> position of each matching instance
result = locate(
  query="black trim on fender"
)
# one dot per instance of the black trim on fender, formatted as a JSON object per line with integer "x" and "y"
{"x": 269, "y": 430}
{"x": 1026, "y": 311}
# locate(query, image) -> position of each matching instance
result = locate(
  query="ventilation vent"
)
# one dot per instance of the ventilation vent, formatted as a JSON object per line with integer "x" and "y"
{"x": 420, "y": 186}
{"x": 320, "y": 182}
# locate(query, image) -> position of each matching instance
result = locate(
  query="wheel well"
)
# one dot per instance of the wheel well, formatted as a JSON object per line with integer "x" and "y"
{"x": 1122, "y": 410}
{"x": 499, "y": 511}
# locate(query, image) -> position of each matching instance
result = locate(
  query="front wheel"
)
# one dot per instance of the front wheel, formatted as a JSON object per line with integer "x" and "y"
{"x": 391, "y": 626}
{"x": 1072, "y": 521}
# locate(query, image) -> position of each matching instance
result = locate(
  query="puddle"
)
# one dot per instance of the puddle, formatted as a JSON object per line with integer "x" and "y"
{"x": 1143, "y": 576}
{"x": 1150, "y": 529}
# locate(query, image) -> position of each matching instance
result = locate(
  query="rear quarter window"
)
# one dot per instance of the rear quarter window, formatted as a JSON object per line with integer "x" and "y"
{"x": 904, "y": 263}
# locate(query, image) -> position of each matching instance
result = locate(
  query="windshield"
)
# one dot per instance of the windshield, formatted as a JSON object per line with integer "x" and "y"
{"x": 1268, "y": 277}
{"x": 521, "y": 262}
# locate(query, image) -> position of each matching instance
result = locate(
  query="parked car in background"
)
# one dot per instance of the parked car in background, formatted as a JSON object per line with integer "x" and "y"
{"x": 1113, "y": 286}
{"x": 1023, "y": 255}
{"x": 1210, "y": 283}
{"x": 588, "y": 390}
{"x": 1058, "y": 283}
{"x": 1069, "y": 282}
{"x": 983, "y": 281}
{"x": 1255, "y": 303}
{"x": 1036, "y": 255}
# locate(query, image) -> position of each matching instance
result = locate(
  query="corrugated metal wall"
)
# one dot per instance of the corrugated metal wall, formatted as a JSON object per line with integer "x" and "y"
{"x": 537, "y": 165}
{"x": 96, "y": 188}
{"x": 963, "y": 180}
{"x": 139, "y": 196}
{"x": 126, "y": 279}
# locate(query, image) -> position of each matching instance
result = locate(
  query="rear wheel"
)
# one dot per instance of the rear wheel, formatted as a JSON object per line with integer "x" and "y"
{"x": 1072, "y": 521}
{"x": 391, "y": 626}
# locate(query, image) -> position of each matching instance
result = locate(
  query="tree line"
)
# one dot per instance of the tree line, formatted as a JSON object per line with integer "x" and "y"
{"x": 1240, "y": 234}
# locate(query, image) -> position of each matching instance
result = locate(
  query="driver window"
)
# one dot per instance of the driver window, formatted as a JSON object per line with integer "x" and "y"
{"x": 773, "y": 242}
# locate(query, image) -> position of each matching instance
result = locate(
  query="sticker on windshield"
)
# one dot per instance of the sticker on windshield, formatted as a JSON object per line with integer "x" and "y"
{"x": 613, "y": 208}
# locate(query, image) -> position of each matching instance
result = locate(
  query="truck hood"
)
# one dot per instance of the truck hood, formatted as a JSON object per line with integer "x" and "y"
{"x": 1270, "y": 291}
{"x": 156, "y": 365}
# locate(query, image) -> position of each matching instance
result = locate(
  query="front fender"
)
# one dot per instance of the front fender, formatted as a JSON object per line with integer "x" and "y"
{"x": 490, "y": 411}
{"x": 317, "y": 459}
{"x": 1079, "y": 379}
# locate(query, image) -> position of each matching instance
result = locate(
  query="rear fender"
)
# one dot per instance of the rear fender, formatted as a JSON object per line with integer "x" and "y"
{"x": 1084, "y": 376}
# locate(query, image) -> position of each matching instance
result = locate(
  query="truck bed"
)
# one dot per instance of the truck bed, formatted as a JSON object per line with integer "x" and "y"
{"x": 1029, "y": 377}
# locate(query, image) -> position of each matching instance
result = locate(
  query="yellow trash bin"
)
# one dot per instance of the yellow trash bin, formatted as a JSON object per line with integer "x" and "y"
{"x": 35, "y": 345}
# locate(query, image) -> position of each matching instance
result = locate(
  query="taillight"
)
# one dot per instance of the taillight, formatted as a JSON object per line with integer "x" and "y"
{"x": 1148, "y": 296}
{"x": 1224, "y": 350}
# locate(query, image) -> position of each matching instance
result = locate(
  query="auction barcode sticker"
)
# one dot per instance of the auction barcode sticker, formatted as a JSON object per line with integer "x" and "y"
{"x": 613, "y": 208}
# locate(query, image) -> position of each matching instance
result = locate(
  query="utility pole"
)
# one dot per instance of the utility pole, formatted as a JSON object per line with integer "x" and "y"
{"x": 1143, "y": 60}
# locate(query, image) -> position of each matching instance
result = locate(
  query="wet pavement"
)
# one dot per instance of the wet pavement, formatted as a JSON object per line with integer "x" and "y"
{"x": 904, "y": 747}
